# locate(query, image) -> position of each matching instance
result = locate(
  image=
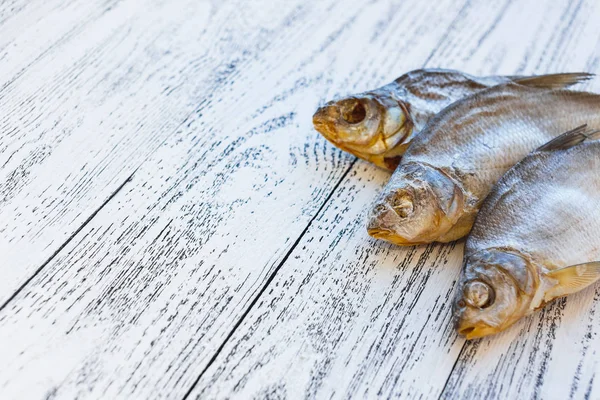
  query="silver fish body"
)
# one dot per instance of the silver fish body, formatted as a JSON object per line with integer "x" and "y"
{"x": 379, "y": 125}
{"x": 451, "y": 166}
{"x": 428, "y": 91}
{"x": 535, "y": 239}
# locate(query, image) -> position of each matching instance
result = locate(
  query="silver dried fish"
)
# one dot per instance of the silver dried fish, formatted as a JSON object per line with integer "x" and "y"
{"x": 379, "y": 125}
{"x": 535, "y": 238}
{"x": 451, "y": 166}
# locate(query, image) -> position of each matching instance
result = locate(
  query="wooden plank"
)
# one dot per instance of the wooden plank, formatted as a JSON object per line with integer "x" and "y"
{"x": 79, "y": 121}
{"x": 350, "y": 317}
{"x": 138, "y": 302}
{"x": 30, "y": 29}
{"x": 47, "y": 120}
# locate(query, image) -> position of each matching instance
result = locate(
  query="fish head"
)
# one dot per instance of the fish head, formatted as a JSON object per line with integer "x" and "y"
{"x": 495, "y": 290}
{"x": 373, "y": 126}
{"x": 419, "y": 205}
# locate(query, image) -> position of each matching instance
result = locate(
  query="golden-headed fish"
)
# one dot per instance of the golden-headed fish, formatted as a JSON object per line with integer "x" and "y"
{"x": 379, "y": 125}
{"x": 451, "y": 166}
{"x": 535, "y": 238}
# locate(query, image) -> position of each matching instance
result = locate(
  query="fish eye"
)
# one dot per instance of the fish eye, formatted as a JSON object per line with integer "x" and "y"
{"x": 402, "y": 204}
{"x": 479, "y": 294}
{"x": 353, "y": 111}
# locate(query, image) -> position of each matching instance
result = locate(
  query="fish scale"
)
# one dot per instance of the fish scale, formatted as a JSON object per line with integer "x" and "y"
{"x": 459, "y": 139}
{"x": 552, "y": 212}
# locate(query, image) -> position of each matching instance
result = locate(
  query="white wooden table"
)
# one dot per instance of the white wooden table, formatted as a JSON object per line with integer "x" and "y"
{"x": 172, "y": 227}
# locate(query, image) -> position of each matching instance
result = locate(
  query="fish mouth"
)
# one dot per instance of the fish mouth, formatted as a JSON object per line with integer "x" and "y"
{"x": 384, "y": 220}
{"x": 389, "y": 236}
{"x": 471, "y": 332}
{"x": 466, "y": 331}
{"x": 321, "y": 123}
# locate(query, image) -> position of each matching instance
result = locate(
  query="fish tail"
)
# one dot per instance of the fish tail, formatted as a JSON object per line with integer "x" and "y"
{"x": 554, "y": 81}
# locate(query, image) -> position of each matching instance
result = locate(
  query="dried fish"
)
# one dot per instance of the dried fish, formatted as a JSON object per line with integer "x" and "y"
{"x": 535, "y": 238}
{"x": 379, "y": 125}
{"x": 451, "y": 166}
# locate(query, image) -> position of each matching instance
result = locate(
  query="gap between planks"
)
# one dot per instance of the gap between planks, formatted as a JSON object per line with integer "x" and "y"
{"x": 68, "y": 240}
{"x": 269, "y": 280}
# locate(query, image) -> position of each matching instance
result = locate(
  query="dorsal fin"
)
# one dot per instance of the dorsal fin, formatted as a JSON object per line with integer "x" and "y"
{"x": 594, "y": 135}
{"x": 570, "y": 138}
{"x": 554, "y": 81}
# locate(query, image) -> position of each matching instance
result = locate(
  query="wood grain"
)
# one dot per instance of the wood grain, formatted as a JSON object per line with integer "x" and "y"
{"x": 347, "y": 317}
{"x": 138, "y": 302}
{"x": 31, "y": 29}
{"x": 79, "y": 121}
{"x": 173, "y": 227}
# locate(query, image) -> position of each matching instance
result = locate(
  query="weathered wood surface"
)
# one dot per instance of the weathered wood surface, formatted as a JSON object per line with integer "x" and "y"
{"x": 173, "y": 227}
{"x": 367, "y": 319}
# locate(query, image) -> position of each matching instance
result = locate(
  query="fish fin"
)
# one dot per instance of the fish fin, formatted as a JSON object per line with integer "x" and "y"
{"x": 572, "y": 279}
{"x": 570, "y": 139}
{"x": 594, "y": 135}
{"x": 554, "y": 81}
